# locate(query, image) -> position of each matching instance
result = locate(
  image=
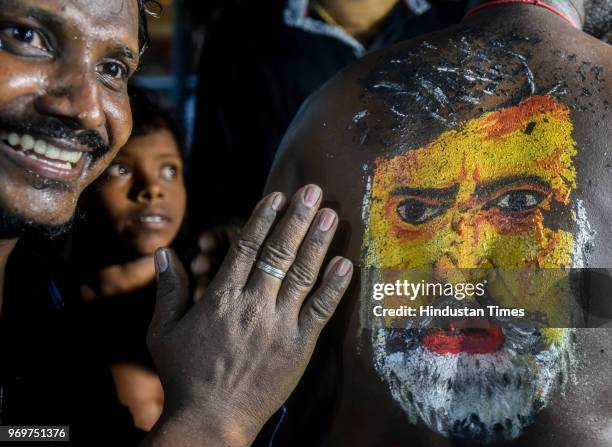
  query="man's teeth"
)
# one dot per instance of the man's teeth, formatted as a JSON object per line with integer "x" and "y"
{"x": 28, "y": 143}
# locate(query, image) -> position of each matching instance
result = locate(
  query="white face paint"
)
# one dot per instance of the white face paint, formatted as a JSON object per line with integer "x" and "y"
{"x": 487, "y": 398}
{"x": 585, "y": 237}
{"x": 481, "y": 397}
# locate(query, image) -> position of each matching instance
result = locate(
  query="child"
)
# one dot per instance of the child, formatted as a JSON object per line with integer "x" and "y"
{"x": 137, "y": 206}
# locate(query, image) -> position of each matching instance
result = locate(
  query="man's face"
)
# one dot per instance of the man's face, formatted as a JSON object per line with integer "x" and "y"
{"x": 64, "y": 108}
{"x": 494, "y": 193}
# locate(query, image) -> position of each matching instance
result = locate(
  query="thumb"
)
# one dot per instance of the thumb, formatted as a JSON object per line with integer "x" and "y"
{"x": 172, "y": 291}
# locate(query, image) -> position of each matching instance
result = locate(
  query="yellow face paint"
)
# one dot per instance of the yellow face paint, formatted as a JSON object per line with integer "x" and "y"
{"x": 480, "y": 196}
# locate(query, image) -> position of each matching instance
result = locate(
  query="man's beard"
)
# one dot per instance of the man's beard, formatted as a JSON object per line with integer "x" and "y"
{"x": 478, "y": 397}
{"x": 13, "y": 226}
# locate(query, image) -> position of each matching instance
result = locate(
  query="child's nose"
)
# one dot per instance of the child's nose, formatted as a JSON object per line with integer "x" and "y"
{"x": 150, "y": 190}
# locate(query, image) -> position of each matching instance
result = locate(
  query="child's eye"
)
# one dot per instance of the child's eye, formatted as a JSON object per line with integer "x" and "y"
{"x": 169, "y": 172}
{"x": 117, "y": 170}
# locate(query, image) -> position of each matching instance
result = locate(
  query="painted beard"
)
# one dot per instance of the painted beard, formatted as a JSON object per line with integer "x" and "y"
{"x": 485, "y": 398}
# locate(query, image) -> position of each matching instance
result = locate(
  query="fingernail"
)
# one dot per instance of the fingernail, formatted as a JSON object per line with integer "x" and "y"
{"x": 343, "y": 267}
{"x": 326, "y": 220}
{"x": 312, "y": 196}
{"x": 277, "y": 202}
{"x": 161, "y": 260}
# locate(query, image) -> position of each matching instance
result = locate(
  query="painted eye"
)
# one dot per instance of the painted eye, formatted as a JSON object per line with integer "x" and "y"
{"x": 517, "y": 201}
{"x": 117, "y": 170}
{"x": 169, "y": 172}
{"x": 416, "y": 211}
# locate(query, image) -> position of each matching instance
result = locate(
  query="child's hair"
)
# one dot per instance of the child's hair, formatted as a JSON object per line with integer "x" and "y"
{"x": 150, "y": 115}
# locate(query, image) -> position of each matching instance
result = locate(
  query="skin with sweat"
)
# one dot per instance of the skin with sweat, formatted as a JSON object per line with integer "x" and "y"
{"x": 63, "y": 91}
{"x": 64, "y": 82}
{"x": 481, "y": 146}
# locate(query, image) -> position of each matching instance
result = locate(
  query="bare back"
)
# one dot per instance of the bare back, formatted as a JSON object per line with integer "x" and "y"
{"x": 485, "y": 145}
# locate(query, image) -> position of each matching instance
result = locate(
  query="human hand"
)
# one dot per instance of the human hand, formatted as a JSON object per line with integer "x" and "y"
{"x": 229, "y": 362}
{"x": 120, "y": 279}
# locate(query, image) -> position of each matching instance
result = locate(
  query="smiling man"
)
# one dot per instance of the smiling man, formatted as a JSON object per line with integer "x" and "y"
{"x": 64, "y": 114}
{"x": 474, "y": 153}
{"x": 64, "y": 109}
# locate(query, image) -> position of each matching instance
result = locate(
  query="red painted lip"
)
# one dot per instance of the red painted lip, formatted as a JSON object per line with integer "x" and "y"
{"x": 473, "y": 337}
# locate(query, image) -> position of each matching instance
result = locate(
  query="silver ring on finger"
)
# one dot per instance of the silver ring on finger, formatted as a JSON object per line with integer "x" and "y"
{"x": 270, "y": 270}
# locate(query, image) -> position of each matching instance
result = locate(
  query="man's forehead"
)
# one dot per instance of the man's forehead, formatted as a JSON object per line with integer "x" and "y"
{"x": 115, "y": 20}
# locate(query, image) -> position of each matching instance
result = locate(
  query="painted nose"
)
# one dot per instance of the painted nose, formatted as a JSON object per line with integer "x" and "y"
{"x": 466, "y": 258}
{"x": 462, "y": 252}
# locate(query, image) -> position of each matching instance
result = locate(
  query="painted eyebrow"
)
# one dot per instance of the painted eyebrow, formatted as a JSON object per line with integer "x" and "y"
{"x": 489, "y": 188}
{"x": 434, "y": 193}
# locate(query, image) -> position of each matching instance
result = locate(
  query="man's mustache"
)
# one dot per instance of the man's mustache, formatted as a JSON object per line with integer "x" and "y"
{"x": 39, "y": 126}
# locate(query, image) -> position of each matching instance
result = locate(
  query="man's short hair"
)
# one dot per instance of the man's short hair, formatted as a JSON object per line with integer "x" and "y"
{"x": 150, "y": 115}
{"x": 144, "y": 9}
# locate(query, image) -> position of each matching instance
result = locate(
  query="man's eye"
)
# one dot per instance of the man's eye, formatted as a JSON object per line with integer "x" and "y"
{"x": 117, "y": 170}
{"x": 169, "y": 172}
{"x": 25, "y": 35}
{"x": 115, "y": 70}
{"x": 517, "y": 201}
{"x": 416, "y": 211}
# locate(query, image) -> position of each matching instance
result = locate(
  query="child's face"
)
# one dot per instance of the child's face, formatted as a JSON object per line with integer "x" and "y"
{"x": 143, "y": 192}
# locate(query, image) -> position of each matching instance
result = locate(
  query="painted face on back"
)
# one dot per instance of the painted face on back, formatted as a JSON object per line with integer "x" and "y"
{"x": 64, "y": 108}
{"x": 494, "y": 193}
{"x": 143, "y": 192}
